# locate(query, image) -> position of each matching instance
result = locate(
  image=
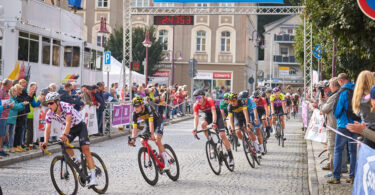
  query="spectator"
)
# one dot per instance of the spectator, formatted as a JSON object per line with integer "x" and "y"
{"x": 94, "y": 89}
{"x": 181, "y": 94}
{"x": 21, "y": 119}
{"x": 99, "y": 112}
{"x": 65, "y": 96}
{"x": 34, "y": 102}
{"x": 85, "y": 95}
{"x": 340, "y": 113}
{"x": 43, "y": 93}
{"x": 52, "y": 87}
{"x": 4, "y": 108}
{"x": 74, "y": 89}
{"x": 110, "y": 96}
{"x": 12, "y": 119}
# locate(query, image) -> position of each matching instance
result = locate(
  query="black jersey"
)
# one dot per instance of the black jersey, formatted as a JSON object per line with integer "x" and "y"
{"x": 149, "y": 114}
{"x": 237, "y": 111}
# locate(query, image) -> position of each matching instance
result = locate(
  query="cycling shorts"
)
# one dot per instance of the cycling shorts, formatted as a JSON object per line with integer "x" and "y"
{"x": 239, "y": 123}
{"x": 261, "y": 111}
{"x": 219, "y": 121}
{"x": 279, "y": 110}
{"x": 288, "y": 103}
{"x": 79, "y": 130}
{"x": 158, "y": 128}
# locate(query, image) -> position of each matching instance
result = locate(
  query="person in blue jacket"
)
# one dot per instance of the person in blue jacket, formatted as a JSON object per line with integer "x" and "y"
{"x": 340, "y": 113}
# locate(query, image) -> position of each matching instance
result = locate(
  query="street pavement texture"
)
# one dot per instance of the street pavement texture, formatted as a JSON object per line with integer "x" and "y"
{"x": 282, "y": 170}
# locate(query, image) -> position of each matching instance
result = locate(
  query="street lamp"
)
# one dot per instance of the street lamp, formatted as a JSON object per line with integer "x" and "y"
{"x": 258, "y": 40}
{"x": 147, "y": 43}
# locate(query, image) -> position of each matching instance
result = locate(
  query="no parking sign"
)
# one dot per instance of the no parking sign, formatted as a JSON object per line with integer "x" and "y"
{"x": 368, "y": 7}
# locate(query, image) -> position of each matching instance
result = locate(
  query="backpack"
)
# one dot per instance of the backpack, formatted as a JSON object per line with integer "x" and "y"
{"x": 349, "y": 111}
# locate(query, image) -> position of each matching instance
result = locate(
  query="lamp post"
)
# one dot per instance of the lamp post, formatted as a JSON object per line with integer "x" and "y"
{"x": 258, "y": 40}
{"x": 147, "y": 43}
{"x": 102, "y": 32}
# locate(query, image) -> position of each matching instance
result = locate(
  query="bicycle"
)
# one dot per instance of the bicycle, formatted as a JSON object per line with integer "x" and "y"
{"x": 279, "y": 130}
{"x": 215, "y": 153}
{"x": 265, "y": 139}
{"x": 249, "y": 149}
{"x": 149, "y": 160}
{"x": 233, "y": 139}
{"x": 65, "y": 168}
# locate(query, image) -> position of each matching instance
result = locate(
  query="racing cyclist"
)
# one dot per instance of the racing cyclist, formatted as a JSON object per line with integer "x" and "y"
{"x": 288, "y": 100}
{"x": 295, "y": 102}
{"x": 212, "y": 115}
{"x": 239, "y": 118}
{"x": 65, "y": 114}
{"x": 153, "y": 125}
{"x": 262, "y": 109}
{"x": 253, "y": 114}
{"x": 278, "y": 107}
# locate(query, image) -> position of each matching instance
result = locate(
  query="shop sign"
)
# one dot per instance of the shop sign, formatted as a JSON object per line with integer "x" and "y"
{"x": 204, "y": 75}
{"x": 161, "y": 74}
{"x": 222, "y": 75}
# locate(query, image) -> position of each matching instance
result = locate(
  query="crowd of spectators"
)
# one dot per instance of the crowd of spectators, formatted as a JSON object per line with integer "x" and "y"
{"x": 348, "y": 108}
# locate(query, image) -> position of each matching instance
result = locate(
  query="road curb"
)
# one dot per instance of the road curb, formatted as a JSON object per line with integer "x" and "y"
{"x": 312, "y": 174}
{"x": 56, "y": 148}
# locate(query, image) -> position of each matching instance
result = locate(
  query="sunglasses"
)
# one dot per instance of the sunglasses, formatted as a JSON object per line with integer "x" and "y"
{"x": 226, "y": 99}
{"x": 50, "y": 103}
{"x": 198, "y": 97}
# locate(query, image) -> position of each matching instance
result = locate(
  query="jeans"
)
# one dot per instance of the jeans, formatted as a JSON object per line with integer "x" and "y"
{"x": 168, "y": 110}
{"x": 99, "y": 115}
{"x": 180, "y": 108}
{"x": 11, "y": 128}
{"x": 174, "y": 111}
{"x": 23, "y": 131}
{"x": 29, "y": 132}
{"x": 340, "y": 142}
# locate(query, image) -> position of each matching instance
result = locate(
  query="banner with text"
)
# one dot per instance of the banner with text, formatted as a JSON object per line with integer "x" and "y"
{"x": 316, "y": 130}
{"x": 121, "y": 114}
{"x": 364, "y": 182}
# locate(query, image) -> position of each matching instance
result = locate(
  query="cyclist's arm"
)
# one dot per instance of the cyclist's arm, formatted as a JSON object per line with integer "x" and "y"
{"x": 266, "y": 107}
{"x": 231, "y": 123}
{"x": 255, "y": 114}
{"x": 68, "y": 122}
{"x": 135, "y": 130}
{"x": 283, "y": 104}
{"x": 196, "y": 116}
{"x": 272, "y": 108}
{"x": 151, "y": 125}
{"x": 223, "y": 113}
{"x": 246, "y": 113}
{"x": 47, "y": 132}
{"x": 213, "y": 111}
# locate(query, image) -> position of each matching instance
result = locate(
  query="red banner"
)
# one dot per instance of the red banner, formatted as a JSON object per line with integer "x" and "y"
{"x": 135, "y": 65}
{"x": 161, "y": 74}
{"x": 222, "y": 75}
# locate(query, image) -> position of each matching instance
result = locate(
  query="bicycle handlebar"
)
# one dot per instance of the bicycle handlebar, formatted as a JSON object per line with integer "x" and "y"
{"x": 59, "y": 141}
{"x": 200, "y": 131}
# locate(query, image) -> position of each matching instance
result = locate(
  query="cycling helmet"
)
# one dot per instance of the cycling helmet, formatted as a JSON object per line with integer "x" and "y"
{"x": 198, "y": 92}
{"x": 276, "y": 89}
{"x": 137, "y": 101}
{"x": 243, "y": 94}
{"x": 52, "y": 96}
{"x": 226, "y": 95}
{"x": 256, "y": 93}
{"x": 287, "y": 94}
{"x": 233, "y": 96}
{"x": 264, "y": 94}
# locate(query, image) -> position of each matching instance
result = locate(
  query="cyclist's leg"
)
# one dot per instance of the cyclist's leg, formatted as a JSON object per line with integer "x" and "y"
{"x": 207, "y": 121}
{"x": 85, "y": 145}
{"x": 221, "y": 130}
{"x": 158, "y": 129}
{"x": 282, "y": 121}
{"x": 237, "y": 126}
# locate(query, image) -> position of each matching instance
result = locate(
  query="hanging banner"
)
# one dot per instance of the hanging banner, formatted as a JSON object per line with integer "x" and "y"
{"x": 364, "y": 182}
{"x": 218, "y": 1}
{"x": 305, "y": 112}
{"x": 316, "y": 131}
{"x": 121, "y": 115}
{"x": 89, "y": 117}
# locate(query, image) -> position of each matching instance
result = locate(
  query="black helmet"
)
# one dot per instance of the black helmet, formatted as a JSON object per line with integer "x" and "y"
{"x": 198, "y": 92}
{"x": 263, "y": 94}
{"x": 243, "y": 94}
{"x": 233, "y": 96}
{"x": 256, "y": 93}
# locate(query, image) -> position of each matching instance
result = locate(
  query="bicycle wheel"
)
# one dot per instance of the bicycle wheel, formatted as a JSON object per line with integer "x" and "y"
{"x": 174, "y": 171}
{"x": 213, "y": 158}
{"x": 278, "y": 131}
{"x": 224, "y": 156}
{"x": 247, "y": 150}
{"x": 148, "y": 167}
{"x": 282, "y": 137}
{"x": 254, "y": 154}
{"x": 101, "y": 174}
{"x": 64, "y": 177}
{"x": 264, "y": 141}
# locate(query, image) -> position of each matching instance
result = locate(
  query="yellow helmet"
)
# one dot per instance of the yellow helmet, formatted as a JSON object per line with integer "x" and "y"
{"x": 137, "y": 101}
{"x": 233, "y": 96}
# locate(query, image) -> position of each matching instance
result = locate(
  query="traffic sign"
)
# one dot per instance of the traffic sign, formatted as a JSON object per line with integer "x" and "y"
{"x": 367, "y": 7}
{"x": 251, "y": 80}
{"x": 107, "y": 61}
{"x": 317, "y": 52}
{"x": 193, "y": 68}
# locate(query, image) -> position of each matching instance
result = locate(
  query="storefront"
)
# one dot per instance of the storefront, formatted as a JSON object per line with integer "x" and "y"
{"x": 218, "y": 82}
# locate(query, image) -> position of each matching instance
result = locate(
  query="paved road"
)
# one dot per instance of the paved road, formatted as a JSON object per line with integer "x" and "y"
{"x": 283, "y": 170}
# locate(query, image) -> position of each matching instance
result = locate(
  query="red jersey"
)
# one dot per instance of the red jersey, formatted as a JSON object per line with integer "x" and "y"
{"x": 260, "y": 102}
{"x": 209, "y": 104}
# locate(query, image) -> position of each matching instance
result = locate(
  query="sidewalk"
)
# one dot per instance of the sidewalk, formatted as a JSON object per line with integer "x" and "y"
{"x": 317, "y": 182}
{"x": 23, "y": 156}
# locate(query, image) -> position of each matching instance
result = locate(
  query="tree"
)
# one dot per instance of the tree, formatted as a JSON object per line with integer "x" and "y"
{"x": 115, "y": 45}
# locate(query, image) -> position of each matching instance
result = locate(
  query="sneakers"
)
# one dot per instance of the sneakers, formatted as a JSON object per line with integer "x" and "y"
{"x": 19, "y": 148}
{"x": 92, "y": 183}
{"x": 333, "y": 180}
{"x": 231, "y": 162}
{"x": 350, "y": 180}
{"x": 2, "y": 153}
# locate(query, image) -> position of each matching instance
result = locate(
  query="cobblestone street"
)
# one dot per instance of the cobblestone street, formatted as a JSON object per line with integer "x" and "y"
{"x": 283, "y": 170}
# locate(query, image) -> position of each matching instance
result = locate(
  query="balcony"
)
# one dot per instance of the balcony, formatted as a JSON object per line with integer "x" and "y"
{"x": 284, "y": 38}
{"x": 290, "y": 60}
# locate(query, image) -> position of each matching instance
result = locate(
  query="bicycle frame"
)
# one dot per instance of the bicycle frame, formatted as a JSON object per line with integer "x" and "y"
{"x": 149, "y": 151}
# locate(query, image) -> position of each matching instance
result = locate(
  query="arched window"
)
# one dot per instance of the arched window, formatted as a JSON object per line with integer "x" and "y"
{"x": 163, "y": 37}
{"x": 225, "y": 41}
{"x": 201, "y": 41}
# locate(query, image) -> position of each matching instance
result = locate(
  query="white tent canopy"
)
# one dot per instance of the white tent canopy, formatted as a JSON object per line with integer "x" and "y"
{"x": 116, "y": 74}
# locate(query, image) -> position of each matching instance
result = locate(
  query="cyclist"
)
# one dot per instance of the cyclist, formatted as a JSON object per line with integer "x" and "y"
{"x": 295, "y": 102}
{"x": 224, "y": 107}
{"x": 262, "y": 109}
{"x": 278, "y": 106}
{"x": 253, "y": 114}
{"x": 65, "y": 114}
{"x": 288, "y": 100}
{"x": 153, "y": 125}
{"x": 239, "y": 118}
{"x": 212, "y": 115}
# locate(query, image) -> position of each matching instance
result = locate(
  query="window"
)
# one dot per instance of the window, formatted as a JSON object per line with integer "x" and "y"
{"x": 163, "y": 4}
{"x": 99, "y": 40}
{"x": 290, "y": 30}
{"x": 225, "y": 41}
{"x": 202, "y": 4}
{"x": 201, "y": 41}
{"x": 46, "y": 50}
{"x": 28, "y": 47}
{"x": 163, "y": 37}
{"x": 284, "y": 51}
{"x": 140, "y": 3}
{"x": 292, "y": 71}
{"x": 56, "y": 53}
{"x": 102, "y": 3}
{"x": 71, "y": 56}
{"x": 99, "y": 60}
{"x": 86, "y": 58}
{"x": 226, "y": 6}
{"x": 93, "y": 59}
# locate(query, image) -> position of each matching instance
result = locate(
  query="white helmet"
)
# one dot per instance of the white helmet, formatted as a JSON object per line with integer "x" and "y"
{"x": 288, "y": 94}
{"x": 52, "y": 96}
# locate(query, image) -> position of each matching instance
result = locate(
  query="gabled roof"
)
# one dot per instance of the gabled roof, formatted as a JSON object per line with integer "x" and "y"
{"x": 277, "y": 23}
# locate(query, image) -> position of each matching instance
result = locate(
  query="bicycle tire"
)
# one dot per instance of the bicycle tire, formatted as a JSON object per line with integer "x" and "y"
{"x": 68, "y": 166}
{"x": 282, "y": 137}
{"x": 246, "y": 148}
{"x": 278, "y": 129}
{"x": 264, "y": 141}
{"x": 173, "y": 162}
{"x": 99, "y": 171}
{"x": 151, "y": 162}
{"x": 209, "y": 148}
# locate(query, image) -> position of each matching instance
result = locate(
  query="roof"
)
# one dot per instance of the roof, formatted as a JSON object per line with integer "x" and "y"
{"x": 277, "y": 23}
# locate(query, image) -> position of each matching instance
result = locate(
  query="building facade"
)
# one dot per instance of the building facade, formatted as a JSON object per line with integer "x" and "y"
{"x": 280, "y": 65}
{"x": 220, "y": 43}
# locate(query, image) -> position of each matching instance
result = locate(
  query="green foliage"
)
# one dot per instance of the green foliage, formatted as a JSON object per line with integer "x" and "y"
{"x": 155, "y": 52}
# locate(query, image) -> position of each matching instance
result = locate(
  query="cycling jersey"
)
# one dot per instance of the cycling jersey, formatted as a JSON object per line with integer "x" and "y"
{"x": 277, "y": 102}
{"x": 149, "y": 114}
{"x": 237, "y": 113}
{"x": 209, "y": 104}
{"x": 260, "y": 102}
{"x": 250, "y": 105}
{"x": 224, "y": 106}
